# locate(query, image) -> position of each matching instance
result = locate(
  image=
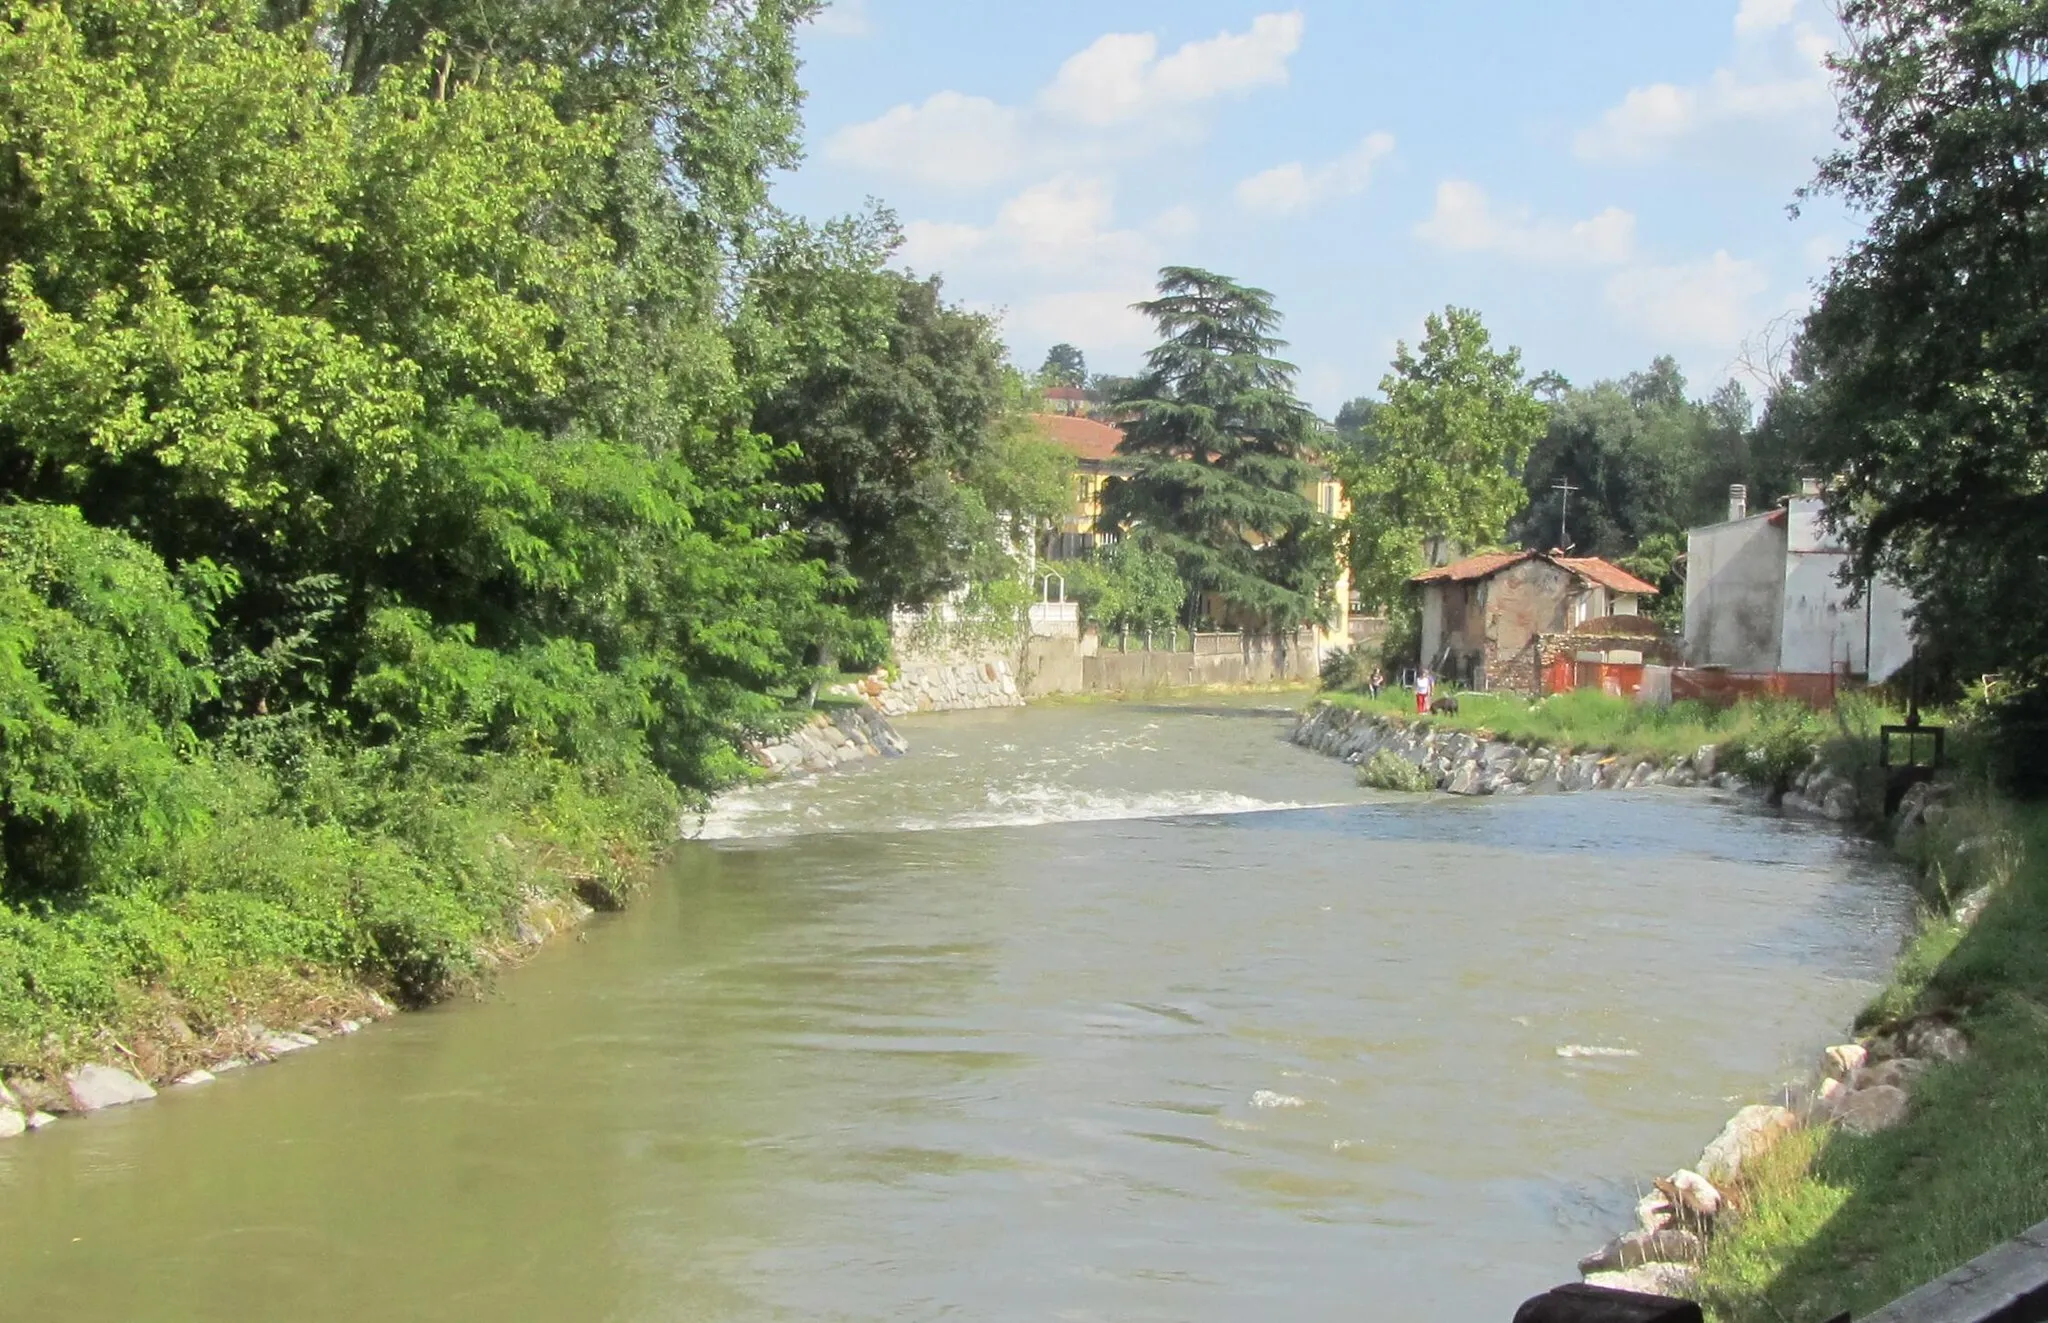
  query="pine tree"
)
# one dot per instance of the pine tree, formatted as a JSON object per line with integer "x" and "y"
{"x": 1218, "y": 454}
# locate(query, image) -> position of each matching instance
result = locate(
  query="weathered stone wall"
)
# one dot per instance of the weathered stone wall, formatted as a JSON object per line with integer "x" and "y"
{"x": 947, "y": 686}
{"x": 842, "y": 735}
{"x": 1214, "y": 659}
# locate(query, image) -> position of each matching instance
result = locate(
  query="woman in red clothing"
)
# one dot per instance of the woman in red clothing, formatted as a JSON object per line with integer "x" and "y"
{"x": 1423, "y": 684}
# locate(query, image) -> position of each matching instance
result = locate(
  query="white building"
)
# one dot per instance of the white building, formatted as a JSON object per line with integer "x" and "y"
{"x": 1763, "y": 592}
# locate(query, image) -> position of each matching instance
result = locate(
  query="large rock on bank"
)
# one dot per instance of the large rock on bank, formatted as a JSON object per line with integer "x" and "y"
{"x": 1748, "y": 1134}
{"x": 96, "y": 1087}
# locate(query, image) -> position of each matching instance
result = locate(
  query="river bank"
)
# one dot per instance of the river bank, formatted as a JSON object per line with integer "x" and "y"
{"x": 1914, "y": 1145}
{"x": 268, "y": 1015}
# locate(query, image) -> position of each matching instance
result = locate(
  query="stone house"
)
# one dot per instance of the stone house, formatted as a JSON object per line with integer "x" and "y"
{"x": 1763, "y": 593}
{"x": 1483, "y": 616}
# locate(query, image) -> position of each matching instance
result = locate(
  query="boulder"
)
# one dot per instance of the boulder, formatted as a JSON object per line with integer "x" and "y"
{"x": 1841, "y": 804}
{"x": 1748, "y": 1133}
{"x": 37, "y": 1120}
{"x": 1934, "y": 1041}
{"x": 94, "y": 1087}
{"x": 1640, "y": 1247}
{"x": 12, "y": 1123}
{"x": 1846, "y": 1059}
{"x": 1695, "y": 1194}
{"x": 191, "y": 1077}
{"x": 1703, "y": 761}
{"x": 277, "y": 1045}
{"x": 1465, "y": 780}
{"x": 1867, "y": 1111}
{"x": 1667, "y": 1279}
{"x": 1898, "y": 1072}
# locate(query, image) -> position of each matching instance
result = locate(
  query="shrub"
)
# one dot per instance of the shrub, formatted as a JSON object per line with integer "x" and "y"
{"x": 1343, "y": 669}
{"x": 1387, "y": 770}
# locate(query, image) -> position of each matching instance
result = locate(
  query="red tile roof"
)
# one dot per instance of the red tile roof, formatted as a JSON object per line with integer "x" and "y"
{"x": 1611, "y": 577}
{"x": 1083, "y": 438}
{"x": 1483, "y": 566}
{"x": 1487, "y": 564}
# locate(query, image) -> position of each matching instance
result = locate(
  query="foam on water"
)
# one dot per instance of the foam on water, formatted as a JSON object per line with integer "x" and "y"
{"x": 1571, "y": 1050}
{"x": 774, "y": 811}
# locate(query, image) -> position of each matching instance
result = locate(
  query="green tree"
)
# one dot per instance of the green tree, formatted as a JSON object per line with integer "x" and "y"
{"x": 1642, "y": 459}
{"x": 1064, "y": 365}
{"x": 1923, "y": 362}
{"x": 881, "y": 424}
{"x": 1128, "y": 589}
{"x": 1219, "y": 453}
{"x": 1452, "y": 439}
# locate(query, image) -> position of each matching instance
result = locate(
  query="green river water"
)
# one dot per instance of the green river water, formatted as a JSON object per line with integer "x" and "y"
{"x": 1084, "y": 1013}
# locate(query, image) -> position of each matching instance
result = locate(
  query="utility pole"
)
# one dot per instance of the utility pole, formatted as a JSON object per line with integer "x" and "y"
{"x": 1564, "y": 508}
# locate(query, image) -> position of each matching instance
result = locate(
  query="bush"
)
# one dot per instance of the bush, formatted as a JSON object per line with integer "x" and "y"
{"x": 1780, "y": 742}
{"x": 1387, "y": 770}
{"x": 1343, "y": 669}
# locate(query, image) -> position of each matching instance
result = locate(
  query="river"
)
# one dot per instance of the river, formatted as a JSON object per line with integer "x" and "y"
{"x": 1076, "y": 1013}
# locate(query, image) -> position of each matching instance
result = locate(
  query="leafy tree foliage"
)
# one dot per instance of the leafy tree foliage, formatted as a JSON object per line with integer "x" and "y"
{"x": 1643, "y": 460}
{"x": 1448, "y": 448}
{"x": 1219, "y": 452}
{"x": 1924, "y": 362}
{"x": 1064, "y": 365}
{"x": 1128, "y": 589}
{"x": 905, "y": 426}
{"x": 407, "y": 422}
{"x": 102, "y": 662}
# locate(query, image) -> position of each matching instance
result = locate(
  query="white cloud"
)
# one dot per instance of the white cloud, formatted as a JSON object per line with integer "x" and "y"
{"x": 1465, "y": 221}
{"x": 844, "y": 18}
{"x": 1782, "y": 86}
{"x": 1063, "y": 226}
{"x": 968, "y": 141}
{"x": 1059, "y": 241}
{"x": 1113, "y": 98}
{"x": 1291, "y": 187}
{"x": 1120, "y": 77}
{"x": 1764, "y": 15}
{"x": 1710, "y": 303}
{"x": 1103, "y": 321}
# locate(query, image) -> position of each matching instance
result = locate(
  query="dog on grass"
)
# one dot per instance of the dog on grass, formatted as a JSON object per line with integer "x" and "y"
{"x": 1445, "y": 706}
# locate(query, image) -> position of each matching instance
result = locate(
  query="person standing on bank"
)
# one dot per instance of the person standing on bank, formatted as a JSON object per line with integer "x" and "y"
{"x": 1424, "y": 682}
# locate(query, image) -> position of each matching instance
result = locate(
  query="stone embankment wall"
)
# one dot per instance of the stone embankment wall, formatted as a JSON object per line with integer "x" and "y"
{"x": 1211, "y": 659}
{"x": 947, "y": 686}
{"x": 842, "y": 735}
{"x": 1462, "y": 763}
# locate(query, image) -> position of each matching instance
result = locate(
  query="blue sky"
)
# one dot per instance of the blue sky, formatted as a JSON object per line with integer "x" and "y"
{"x": 1604, "y": 180}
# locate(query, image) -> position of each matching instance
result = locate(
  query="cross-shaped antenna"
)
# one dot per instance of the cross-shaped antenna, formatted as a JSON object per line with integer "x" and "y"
{"x": 1563, "y": 508}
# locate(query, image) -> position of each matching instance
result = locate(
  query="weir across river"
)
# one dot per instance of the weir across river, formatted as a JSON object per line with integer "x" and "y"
{"x": 1088, "y": 1012}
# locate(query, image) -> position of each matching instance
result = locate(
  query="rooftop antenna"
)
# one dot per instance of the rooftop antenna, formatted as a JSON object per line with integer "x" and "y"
{"x": 1564, "y": 508}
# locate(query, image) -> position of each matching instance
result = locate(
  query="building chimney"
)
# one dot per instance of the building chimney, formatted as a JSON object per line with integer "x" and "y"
{"x": 1809, "y": 486}
{"x": 1738, "y": 502}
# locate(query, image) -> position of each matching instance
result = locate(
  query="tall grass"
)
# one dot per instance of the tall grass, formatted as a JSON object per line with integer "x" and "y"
{"x": 1836, "y": 1222}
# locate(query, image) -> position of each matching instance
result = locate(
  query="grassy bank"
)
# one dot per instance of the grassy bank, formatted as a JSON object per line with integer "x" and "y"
{"x": 1835, "y": 1222}
{"x": 284, "y": 897}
